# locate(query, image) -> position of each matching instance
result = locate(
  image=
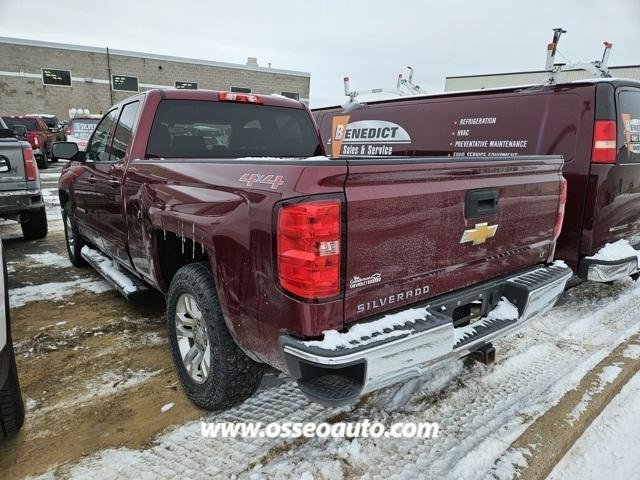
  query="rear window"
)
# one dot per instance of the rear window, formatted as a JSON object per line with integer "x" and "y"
{"x": 29, "y": 123}
{"x": 51, "y": 122}
{"x": 629, "y": 134}
{"x": 82, "y": 128}
{"x": 205, "y": 129}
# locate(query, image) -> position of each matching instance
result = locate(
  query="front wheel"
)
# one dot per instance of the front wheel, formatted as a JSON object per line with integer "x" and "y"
{"x": 72, "y": 237}
{"x": 215, "y": 373}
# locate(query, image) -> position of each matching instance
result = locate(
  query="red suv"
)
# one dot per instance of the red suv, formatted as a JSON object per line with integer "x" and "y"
{"x": 38, "y": 135}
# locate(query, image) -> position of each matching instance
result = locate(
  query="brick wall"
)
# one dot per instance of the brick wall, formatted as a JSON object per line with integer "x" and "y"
{"x": 22, "y": 90}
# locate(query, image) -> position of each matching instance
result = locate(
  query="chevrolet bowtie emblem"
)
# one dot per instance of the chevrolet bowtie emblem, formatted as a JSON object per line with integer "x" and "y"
{"x": 480, "y": 234}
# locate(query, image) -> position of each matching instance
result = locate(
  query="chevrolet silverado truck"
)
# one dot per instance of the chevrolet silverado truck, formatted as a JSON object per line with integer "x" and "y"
{"x": 20, "y": 195}
{"x": 347, "y": 274}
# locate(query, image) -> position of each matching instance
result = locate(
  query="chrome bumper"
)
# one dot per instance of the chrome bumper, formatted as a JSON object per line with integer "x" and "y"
{"x": 334, "y": 377}
{"x": 607, "y": 271}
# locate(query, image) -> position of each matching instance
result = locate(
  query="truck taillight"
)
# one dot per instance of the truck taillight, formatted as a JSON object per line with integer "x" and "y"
{"x": 604, "y": 142}
{"x": 30, "y": 167}
{"x": 561, "y": 209}
{"x": 308, "y": 248}
{"x": 239, "y": 97}
{"x": 67, "y": 130}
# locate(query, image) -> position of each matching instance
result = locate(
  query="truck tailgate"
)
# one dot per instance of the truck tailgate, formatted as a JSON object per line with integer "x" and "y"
{"x": 421, "y": 227}
{"x": 14, "y": 179}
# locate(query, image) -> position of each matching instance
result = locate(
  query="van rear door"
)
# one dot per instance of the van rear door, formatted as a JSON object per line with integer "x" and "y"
{"x": 615, "y": 164}
{"x": 421, "y": 227}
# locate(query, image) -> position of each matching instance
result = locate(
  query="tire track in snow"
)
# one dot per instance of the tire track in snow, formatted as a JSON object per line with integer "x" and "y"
{"x": 480, "y": 415}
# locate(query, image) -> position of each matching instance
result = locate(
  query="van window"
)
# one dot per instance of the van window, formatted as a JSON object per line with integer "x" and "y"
{"x": 629, "y": 127}
{"x": 206, "y": 129}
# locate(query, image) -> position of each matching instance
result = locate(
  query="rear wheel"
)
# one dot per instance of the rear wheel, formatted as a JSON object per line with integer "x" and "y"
{"x": 41, "y": 161}
{"x": 36, "y": 226}
{"x": 72, "y": 237}
{"x": 215, "y": 373}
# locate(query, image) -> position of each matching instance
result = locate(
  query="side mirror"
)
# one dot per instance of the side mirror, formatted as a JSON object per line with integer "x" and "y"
{"x": 65, "y": 150}
{"x": 20, "y": 131}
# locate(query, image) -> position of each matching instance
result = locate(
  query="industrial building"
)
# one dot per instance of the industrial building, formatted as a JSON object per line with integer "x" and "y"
{"x": 44, "y": 77}
{"x": 496, "y": 80}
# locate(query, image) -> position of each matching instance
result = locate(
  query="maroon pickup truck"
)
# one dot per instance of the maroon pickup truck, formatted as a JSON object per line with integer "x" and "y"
{"x": 348, "y": 274}
{"x": 594, "y": 124}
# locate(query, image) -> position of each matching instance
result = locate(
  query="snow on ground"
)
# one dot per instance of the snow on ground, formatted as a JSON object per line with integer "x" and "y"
{"x": 609, "y": 447}
{"x": 49, "y": 259}
{"x": 607, "y": 376}
{"x": 481, "y": 410}
{"x": 109, "y": 383}
{"x": 55, "y": 290}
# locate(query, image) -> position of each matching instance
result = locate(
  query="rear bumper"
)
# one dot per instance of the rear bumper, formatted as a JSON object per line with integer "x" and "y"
{"x": 20, "y": 201}
{"x": 596, "y": 270}
{"x": 340, "y": 376}
{"x": 607, "y": 270}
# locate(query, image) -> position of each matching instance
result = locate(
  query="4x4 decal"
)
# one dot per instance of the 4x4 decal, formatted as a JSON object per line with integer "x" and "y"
{"x": 252, "y": 178}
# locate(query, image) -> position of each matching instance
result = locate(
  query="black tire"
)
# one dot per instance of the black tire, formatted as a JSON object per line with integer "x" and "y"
{"x": 11, "y": 406}
{"x": 36, "y": 226}
{"x": 42, "y": 162}
{"x": 233, "y": 376}
{"x": 72, "y": 237}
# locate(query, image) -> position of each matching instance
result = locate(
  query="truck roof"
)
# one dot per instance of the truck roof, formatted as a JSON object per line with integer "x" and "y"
{"x": 480, "y": 91}
{"x": 213, "y": 95}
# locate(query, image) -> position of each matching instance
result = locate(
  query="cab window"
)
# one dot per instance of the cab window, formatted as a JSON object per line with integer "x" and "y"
{"x": 122, "y": 135}
{"x": 96, "y": 150}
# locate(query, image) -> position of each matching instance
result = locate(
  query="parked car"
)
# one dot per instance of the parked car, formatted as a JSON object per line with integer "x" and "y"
{"x": 38, "y": 135}
{"x": 79, "y": 129}
{"x": 20, "y": 195}
{"x": 53, "y": 124}
{"x": 349, "y": 274}
{"x": 11, "y": 405}
{"x": 593, "y": 124}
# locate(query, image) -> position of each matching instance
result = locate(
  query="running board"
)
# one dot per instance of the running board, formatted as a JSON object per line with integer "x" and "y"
{"x": 129, "y": 286}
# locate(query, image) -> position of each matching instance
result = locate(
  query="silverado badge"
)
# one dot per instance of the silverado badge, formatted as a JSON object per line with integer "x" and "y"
{"x": 480, "y": 234}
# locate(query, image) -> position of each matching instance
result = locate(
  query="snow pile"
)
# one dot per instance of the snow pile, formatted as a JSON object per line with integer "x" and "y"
{"x": 334, "y": 339}
{"x": 616, "y": 251}
{"x": 19, "y": 297}
{"x": 504, "y": 310}
{"x": 609, "y": 447}
{"x": 49, "y": 259}
{"x": 107, "y": 266}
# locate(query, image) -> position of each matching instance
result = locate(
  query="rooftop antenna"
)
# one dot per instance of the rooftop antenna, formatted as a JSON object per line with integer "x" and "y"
{"x": 597, "y": 68}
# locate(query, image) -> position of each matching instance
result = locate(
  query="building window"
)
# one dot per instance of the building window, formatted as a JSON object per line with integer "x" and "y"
{"x": 125, "y": 83}
{"x": 186, "y": 85}
{"x": 240, "y": 89}
{"x": 60, "y": 78}
{"x": 291, "y": 95}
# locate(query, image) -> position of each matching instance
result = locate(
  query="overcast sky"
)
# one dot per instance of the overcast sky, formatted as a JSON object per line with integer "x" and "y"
{"x": 370, "y": 41}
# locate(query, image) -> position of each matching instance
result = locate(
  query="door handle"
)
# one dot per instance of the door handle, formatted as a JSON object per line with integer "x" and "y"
{"x": 114, "y": 182}
{"x": 92, "y": 179}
